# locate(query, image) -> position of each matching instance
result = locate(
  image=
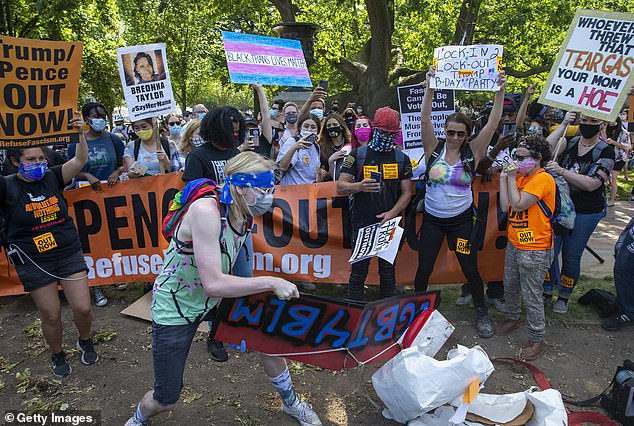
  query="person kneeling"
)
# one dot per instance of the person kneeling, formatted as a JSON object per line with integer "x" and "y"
{"x": 197, "y": 275}
{"x": 530, "y": 201}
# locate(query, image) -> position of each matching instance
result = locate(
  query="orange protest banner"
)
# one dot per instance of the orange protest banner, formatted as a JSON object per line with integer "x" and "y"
{"x": 306, "y": 237}
{"x": 39, "y": 87}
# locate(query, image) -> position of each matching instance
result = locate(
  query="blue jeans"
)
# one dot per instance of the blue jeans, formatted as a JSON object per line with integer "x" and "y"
{"x": 243, "y": 266}
{"x": 624, "y": 277}
{"x": 170, "y": 347}
{"x": 572, "y": 247}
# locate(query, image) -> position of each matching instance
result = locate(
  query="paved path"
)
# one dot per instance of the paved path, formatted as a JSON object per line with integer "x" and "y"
{"x": 604, "y": 238}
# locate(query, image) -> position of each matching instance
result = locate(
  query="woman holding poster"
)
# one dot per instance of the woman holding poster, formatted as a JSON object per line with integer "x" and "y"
{"x": 449, "y": 207}
{"x": 586, "y": 164}
{"x": 44, "y": 246}
{"x": 148, "y": 155}
{"x": 205, "y": 243}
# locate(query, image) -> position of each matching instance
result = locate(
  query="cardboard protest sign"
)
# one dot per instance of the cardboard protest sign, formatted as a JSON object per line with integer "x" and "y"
{"x": 327, "y": 332}
{"x": 409, "y": 101}
{"x": 474, "y": 67}
{"x": 265, "y": 60}
{"x": 146, "y": 82}
{"x": 39, "y": 86}
{"x": 305, "y": 236}
{"x": 594, "y": 69}
{"x": 380, "y": 240}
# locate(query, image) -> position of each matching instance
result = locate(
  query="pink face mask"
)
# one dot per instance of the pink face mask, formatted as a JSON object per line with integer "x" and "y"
{"x": 526, "y": 165}
{"x": 363, "y": 134}
{"x": 399, "y": 139}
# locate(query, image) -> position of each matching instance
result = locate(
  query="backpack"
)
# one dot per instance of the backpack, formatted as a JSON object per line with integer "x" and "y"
{"x": 562, "y": 219}
{"x": 199, "y": 188}
{"x": 164, "y": 143}
{"x": 596, "y": 151}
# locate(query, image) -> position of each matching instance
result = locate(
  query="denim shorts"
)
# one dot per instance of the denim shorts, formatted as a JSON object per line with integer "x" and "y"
{"x": 170, "y": 347}
{"x": 63, "y": 266}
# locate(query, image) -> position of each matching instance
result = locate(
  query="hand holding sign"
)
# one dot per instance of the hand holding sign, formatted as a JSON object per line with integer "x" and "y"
{"x": 284, "y": 290}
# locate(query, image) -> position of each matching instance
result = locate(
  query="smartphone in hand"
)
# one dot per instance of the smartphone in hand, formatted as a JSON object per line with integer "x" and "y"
{"x": 254, "y": 136}
{"x": 311, "y": 138}
{"x": 508, "y": 129}
{"x": 376, "y": 176}
{"x": 324, "y": 85}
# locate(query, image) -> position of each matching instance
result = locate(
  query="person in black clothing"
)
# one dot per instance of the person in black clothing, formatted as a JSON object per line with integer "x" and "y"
{"x": 222, "y": 129}
{"x": 44, "y": 245}
{"x": 53, "y": 158}
{"x": 375, "y": 202}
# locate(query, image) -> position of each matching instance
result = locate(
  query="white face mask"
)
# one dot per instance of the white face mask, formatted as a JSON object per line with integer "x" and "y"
{"x": 263, "y": 203}
{"x": 197, "y": 141}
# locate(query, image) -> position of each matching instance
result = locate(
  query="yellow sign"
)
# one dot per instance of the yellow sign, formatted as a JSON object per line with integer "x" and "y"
{"x": 390, "y": 171}
{"x": 369, "y": 169}
{"x": 526, "y": 236}
{"x": 462, "y": 246}
{"x": 45, "y": 242}
{"x": 567, "y": 281}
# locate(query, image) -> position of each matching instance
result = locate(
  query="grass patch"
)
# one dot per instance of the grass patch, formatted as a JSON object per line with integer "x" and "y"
{"x": 624, "y": 187}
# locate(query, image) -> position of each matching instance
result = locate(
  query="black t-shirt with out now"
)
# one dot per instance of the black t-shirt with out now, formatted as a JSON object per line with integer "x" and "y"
{"x": 207, "y": 161}
{"x": 366, "y": 205}
{"x": 39, "y": 223}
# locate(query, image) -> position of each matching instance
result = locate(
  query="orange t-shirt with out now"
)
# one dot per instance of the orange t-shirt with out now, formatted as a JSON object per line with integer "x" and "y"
{"x": 531, "y": 229}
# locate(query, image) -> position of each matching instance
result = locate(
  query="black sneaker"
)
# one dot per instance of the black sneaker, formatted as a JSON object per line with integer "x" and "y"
{"x": 483, "y": 323}
{"x": 88, "y": 354}
{"x": 60, "y": 367}
{"x": 217, "y": 350}
{"x": 617, "y": 322}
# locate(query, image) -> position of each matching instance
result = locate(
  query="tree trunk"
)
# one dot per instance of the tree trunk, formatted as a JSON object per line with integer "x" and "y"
{"x": 467, "y": 20}
{"x": 286, "y": 8}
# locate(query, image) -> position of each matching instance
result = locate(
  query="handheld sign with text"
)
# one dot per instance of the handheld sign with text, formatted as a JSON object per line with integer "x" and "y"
{"x": 323, "y": 331}
{"x": 265, "y": 60}
{"x": 474, "y": 67}
{"x": 409, "y": 102}
{"x": 594, "y": 69}
{"x": 146, "y": 82}
{"x": 39, "y": 86}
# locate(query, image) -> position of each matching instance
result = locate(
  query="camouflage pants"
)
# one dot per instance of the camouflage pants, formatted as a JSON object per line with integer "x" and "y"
{"x": 524, "y": 272}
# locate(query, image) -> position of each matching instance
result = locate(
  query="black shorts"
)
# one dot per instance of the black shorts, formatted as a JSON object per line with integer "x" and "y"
{"x": 618, "y": 165}
{"x": 63, "y": 266}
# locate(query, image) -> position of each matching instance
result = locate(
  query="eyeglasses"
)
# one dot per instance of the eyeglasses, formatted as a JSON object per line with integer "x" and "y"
{"x": 520, "y": 157}
{"x": 460, "y": 134}
{"x": 174, "y": 123}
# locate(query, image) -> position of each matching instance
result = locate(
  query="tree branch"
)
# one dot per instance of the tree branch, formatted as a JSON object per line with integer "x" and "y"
{"x": 399, "y": 72}
{"x": 523, "y": 74}
{"x": 414, "y": 78}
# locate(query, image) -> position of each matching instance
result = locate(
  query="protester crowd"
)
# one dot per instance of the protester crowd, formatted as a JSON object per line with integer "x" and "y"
{"x": 547, "y": 160}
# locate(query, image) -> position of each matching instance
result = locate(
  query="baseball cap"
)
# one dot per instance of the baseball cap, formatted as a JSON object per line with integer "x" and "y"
{"x": 387, "y": 120}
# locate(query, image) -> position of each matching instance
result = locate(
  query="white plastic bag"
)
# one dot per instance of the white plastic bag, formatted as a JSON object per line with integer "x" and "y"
{"x": 413, "y": 383}
{"x": 432, "y": 335}
{"x": 549, "y": 408}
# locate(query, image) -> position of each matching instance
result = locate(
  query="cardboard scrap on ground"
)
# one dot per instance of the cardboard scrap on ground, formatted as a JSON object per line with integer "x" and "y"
{"x": 141, "y": 309}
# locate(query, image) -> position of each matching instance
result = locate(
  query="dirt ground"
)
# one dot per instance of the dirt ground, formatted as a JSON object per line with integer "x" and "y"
{"x": 580, "y": 361}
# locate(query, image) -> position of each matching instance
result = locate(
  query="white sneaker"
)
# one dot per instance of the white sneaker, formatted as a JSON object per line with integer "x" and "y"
{"x": 463, "y": 300}
{"x": 121, "y": 287}
{"x": 100, "y": 299}
{"x": 303, "y": 413}
{"x": 134, "y": 422}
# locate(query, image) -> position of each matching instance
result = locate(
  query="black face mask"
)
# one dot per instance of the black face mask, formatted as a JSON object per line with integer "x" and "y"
{"x": 588, "y": 131}
{"x": 334, "y": 132}
{"x": 350, "y": 123}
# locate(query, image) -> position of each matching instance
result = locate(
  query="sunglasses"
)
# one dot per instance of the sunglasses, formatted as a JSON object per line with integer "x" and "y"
{"x": 460, "y": 134}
